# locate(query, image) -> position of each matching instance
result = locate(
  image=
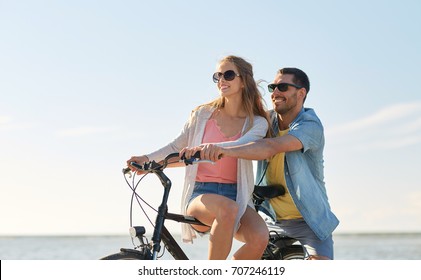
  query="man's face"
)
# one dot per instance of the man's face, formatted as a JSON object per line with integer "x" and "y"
{"x": 283, "y": 102}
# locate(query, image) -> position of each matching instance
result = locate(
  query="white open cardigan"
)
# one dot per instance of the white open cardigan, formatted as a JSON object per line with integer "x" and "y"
{"x": 191, "y": 136}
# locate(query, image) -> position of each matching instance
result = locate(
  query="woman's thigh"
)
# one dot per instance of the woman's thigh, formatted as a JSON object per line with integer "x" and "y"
{"x": 207, "y": 207}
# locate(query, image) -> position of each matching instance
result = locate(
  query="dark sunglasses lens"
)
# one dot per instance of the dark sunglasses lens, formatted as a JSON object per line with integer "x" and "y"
{"x": 229, "y": 75}
{"x": 283, "y": 87}
{"x": 216, "y": 77}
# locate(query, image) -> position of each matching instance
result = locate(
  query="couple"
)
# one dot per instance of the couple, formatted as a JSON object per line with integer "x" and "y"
{"x": 235, "y": 129}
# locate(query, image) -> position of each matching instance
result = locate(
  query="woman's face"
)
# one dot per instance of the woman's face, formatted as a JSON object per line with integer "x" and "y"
{"x": 229, "y": 88}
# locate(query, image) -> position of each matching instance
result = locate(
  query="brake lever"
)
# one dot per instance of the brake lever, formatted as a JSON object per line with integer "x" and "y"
{"x": 126, "y": 171}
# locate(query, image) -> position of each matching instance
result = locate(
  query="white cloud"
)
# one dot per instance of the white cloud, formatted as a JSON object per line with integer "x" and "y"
{"x": 82, "y": 131}
{"x": 413, "y": 205}
{"x": 412, "y": 126}
{"x": 8, "y": 124}
{"x": 4, "y": 120}
{"x": 384, "y": 116}
{"x": 392, "y": 127}
{"x": 392, "y": 143}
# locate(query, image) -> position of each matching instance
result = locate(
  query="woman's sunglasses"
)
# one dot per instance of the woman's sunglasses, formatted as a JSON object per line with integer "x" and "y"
{"x": 228, "y": 76}
{"x": 281, "y": 87}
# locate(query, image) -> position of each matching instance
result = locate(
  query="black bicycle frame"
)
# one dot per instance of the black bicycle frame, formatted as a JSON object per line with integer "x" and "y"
{"x": 161, "y": 233}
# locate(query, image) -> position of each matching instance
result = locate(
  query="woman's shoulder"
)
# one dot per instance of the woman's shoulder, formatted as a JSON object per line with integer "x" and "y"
{"x": 259, "y": 120}
{"x": 202, "y": 111}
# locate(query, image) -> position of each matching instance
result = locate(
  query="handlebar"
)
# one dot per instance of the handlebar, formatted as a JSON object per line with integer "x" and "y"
{"x": 152, "y": 165}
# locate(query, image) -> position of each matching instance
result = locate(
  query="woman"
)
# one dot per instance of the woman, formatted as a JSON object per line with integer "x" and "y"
{"x": 220, "y": 195}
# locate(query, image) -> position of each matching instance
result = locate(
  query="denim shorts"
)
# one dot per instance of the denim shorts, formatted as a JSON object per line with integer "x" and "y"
{"x": 227, "y": 190}
{"x": 298, "y": 229}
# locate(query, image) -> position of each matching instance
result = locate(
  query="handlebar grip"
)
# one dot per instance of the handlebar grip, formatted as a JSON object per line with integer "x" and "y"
{"x": 195, "y": 156}
{"x": 138, "y": 166}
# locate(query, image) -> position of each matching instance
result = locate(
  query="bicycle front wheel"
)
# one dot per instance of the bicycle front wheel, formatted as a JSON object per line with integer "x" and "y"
{"x": 127, "y": 254}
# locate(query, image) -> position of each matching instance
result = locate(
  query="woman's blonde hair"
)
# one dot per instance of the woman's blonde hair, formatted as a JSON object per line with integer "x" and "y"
{"x": 253, "y": 102}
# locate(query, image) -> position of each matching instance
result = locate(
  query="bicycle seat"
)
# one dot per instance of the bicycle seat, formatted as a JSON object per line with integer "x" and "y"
{"x": 268, "y": 192}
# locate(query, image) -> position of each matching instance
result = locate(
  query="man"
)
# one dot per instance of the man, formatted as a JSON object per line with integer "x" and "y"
{"x": 293, "y": 158}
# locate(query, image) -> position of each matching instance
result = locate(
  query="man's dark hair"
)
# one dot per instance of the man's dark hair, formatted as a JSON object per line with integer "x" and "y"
{"x": 300, "y": 78}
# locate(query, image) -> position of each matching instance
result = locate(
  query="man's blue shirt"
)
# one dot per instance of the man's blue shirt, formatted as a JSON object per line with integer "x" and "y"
{"x": 304, "y": 173}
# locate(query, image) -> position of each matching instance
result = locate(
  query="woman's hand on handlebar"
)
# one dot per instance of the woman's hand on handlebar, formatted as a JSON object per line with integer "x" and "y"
{"x": 190, "y": 152}
{"x": 207, "y": 152}
{"x": 139, "y": 160}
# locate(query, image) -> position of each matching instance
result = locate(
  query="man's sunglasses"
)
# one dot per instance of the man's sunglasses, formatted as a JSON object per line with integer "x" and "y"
{"x": 228, "y": 76}
{"x": 281, "y": 87}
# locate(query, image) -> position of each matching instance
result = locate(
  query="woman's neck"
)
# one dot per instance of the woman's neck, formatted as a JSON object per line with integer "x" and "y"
{"x": 234, "y": 108}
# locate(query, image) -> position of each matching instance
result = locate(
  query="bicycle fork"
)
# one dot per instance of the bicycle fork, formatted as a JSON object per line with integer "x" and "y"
{"x": 162, "y": 210}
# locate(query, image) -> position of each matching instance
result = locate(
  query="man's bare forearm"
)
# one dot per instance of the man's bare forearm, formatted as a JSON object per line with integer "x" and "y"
{"x": 263, "y": 148}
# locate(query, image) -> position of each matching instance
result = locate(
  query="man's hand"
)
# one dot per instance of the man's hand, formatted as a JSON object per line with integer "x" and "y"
{"x": 211, "y": 152}
{"x": 207, "y": 152}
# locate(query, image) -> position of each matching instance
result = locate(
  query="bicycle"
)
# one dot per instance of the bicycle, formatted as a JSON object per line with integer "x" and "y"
{"x": 279, "y": 246}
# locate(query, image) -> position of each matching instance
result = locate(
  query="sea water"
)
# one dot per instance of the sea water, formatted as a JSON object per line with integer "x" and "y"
{"x": 397, "y": 246}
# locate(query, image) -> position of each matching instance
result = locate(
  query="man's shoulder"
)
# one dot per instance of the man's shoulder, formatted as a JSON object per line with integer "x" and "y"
{"x": 307, "y": 117}
{"x": 305, "y": 112}
{"x": 308, "y": 114}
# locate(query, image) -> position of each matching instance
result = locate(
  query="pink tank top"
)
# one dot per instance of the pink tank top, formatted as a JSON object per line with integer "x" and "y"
{"x": 225, "y": 169}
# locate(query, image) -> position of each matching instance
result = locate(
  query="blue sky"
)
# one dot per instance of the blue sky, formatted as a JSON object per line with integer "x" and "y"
{"x": 84, "y": 85}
